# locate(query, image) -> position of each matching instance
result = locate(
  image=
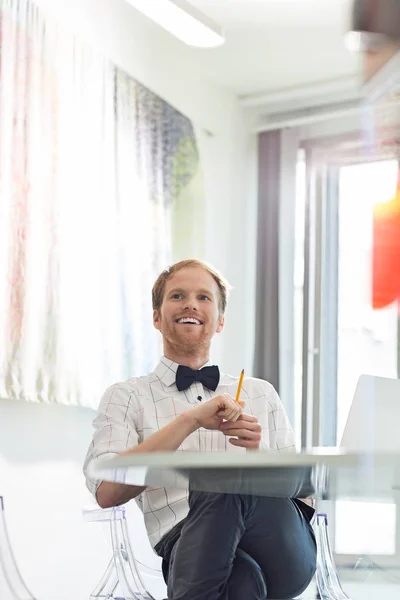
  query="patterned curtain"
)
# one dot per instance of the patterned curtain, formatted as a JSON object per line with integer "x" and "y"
{"x": 100, "y": 188}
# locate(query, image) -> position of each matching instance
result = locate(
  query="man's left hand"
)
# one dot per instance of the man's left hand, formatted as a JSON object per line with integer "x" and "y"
{"x": 245, "y": 432}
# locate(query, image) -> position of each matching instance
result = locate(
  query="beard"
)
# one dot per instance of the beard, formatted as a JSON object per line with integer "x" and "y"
{"x": 184, "y": 344}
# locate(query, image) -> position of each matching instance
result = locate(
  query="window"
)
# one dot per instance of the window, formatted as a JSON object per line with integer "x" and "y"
{"x": 345, "y": 336}
{"x": 367, "y": 339}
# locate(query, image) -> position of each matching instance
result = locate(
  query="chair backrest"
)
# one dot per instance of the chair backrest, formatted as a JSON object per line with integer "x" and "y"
{"x": 12, "y": 584}
{"x": 374, "y": 417}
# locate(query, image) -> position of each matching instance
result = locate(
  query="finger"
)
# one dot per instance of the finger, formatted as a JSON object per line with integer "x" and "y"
{"x": 240, "y": 431}
{"x": 249, "y": 418}
{"x": 249, "y": 444}
{"x": 241, "y": 424}
{"x": 243, "y": 434}
{"x": 248, "y": 421}
{"x": 228, "y": 408}
{"x": 233, "y": 408}
{"x": 241, "y": 403}
{"x": 230, "y": 413}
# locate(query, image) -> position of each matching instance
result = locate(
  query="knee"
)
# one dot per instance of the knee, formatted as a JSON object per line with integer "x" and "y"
{"x": 247, "y": 579}
{"x": 294, "y": 584}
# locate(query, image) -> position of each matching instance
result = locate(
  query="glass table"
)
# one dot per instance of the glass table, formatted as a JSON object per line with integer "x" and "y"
{"x": 326, "y": 473}
{"x": 323, "y": 472}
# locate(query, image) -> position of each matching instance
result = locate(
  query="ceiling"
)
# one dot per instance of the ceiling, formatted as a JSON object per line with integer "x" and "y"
{"x": 288, "y": 46}
{"x": 281, "y": 57}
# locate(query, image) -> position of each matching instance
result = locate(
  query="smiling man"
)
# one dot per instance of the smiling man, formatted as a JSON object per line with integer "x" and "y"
{"x": 214, "y": 546}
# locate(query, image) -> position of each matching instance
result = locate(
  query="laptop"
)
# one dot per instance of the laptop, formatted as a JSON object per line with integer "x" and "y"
{"x": 373, "y": 423}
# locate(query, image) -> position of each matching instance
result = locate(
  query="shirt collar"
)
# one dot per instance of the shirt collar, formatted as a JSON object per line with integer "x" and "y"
{"x": 166, "y": 370}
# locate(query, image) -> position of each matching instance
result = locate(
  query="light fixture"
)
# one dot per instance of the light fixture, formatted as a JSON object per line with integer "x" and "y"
{"x": 182, "y": 20}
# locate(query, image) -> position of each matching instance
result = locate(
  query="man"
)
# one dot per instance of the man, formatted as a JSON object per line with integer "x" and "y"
{"x": 214, "y": 546}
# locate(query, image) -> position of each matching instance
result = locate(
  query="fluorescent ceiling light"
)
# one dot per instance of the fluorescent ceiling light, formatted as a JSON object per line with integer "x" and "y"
{"x": 183, "y": 20}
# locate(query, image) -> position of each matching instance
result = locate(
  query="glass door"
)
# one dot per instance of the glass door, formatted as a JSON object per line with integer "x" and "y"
{"x": 343, "y": 336}
{"x": 367, "y": 339}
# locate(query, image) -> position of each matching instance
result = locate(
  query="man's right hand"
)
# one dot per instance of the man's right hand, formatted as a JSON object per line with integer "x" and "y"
{"x": 212, "y": 413}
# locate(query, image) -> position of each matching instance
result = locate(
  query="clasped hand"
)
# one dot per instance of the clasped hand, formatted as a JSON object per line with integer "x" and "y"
{"x": 224, "y": 414}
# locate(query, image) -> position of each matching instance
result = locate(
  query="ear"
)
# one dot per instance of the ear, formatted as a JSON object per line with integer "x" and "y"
{"x": 221, "y": 324}
{"x": 156, "y": 319}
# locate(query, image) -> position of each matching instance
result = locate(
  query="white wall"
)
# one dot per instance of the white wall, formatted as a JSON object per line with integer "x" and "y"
{"x": 170, "y": 69}
{"x": 230, "y": 176}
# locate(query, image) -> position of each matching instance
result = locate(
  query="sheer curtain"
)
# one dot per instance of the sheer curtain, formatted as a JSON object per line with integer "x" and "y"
{"x": 266, "y": 357}
{"x": 97, "y": 177}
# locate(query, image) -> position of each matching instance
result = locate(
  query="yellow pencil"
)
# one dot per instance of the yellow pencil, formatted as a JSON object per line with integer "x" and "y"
{"x": 239, "y": 389}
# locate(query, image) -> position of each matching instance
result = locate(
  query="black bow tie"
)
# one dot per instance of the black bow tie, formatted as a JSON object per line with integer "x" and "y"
{"x": 208, "y": 376}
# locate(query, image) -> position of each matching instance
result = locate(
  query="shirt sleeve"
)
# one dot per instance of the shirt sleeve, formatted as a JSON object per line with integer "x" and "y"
{"x": 115, "y": 429}
{"x": 278, "y": 434}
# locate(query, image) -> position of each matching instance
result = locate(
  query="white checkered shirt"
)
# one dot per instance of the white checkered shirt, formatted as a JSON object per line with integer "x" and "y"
{"x": 133, "y": 410}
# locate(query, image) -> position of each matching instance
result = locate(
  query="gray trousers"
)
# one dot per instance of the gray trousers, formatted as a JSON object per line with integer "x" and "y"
{"x": 238, "y": 547}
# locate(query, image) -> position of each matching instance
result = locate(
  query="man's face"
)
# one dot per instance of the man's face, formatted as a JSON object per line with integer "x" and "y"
{"x": 189, "y": 316}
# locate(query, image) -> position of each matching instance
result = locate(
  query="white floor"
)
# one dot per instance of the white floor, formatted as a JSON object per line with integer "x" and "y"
{"x": 376, "y": 587}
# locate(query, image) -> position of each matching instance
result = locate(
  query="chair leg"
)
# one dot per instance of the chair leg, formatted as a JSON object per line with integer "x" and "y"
{"x": 128, "y": 574}
{"x": 15, "y": 585}
{"x": 108, "y": 584}
{"x": 114, "y": 585}
{"x": 328, "y": 583}
{"x": 125, "y": 578}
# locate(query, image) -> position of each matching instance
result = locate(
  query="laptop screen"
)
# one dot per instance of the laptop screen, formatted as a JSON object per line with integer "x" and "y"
{"x": 373, "y": 423}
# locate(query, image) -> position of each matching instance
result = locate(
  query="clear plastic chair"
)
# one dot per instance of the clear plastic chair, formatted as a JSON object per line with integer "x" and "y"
{"x": 125, "y": 577}
{"x": 328, "y": 583}
{"x": 15, "y": 588}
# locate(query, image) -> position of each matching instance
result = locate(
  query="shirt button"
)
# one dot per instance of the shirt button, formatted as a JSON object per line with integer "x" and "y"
{"x": 199, "y": 398}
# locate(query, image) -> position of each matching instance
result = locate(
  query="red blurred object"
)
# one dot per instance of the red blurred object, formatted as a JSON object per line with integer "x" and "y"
{"x": 386, "y": 252}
